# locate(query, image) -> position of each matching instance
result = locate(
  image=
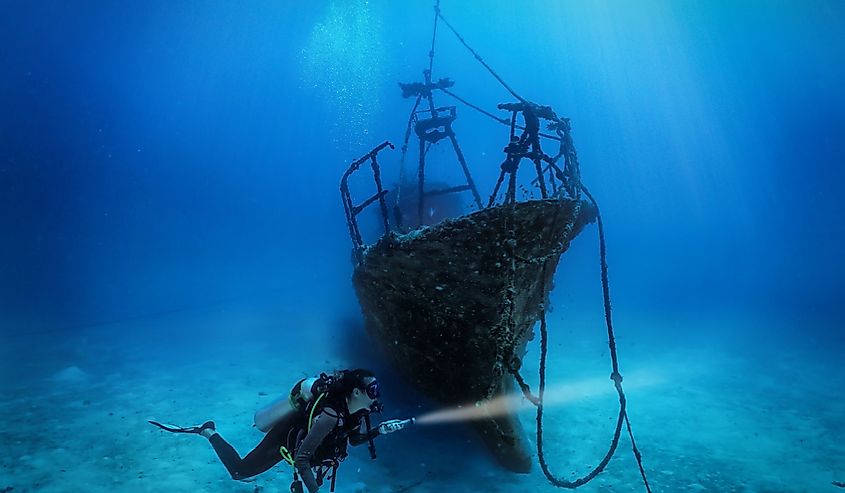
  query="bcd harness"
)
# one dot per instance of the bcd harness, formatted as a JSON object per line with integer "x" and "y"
{"x": 332, "y": 451}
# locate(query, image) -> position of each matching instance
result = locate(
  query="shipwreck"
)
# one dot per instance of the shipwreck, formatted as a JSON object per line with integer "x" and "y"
{"x": 454, "y": 303}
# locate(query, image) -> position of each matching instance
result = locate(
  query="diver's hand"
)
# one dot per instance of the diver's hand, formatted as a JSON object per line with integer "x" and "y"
{"x": 390, "y": 426}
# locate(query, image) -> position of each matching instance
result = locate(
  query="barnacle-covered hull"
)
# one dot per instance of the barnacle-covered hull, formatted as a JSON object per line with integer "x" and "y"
{"x": 435, "y": 298}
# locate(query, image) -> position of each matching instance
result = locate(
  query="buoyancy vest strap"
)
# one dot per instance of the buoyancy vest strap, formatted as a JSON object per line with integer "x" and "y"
{"x": 313, "y": 408}
{"x": 286, "y": 455}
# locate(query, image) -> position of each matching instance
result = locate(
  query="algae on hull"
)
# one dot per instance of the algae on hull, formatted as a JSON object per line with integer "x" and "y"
{"x": 433, "y": 297}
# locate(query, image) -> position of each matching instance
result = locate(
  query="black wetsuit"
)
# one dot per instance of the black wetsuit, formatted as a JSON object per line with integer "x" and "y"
{"x": 326, "y": 439}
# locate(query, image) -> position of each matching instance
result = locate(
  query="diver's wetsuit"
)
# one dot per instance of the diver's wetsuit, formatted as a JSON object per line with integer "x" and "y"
{"x": 288, "y": 433}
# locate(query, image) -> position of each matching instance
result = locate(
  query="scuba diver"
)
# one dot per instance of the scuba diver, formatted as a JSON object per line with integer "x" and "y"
{"x": 309, "y": 430}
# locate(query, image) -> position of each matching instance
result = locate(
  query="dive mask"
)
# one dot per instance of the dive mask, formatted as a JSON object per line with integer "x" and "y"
{"x": 373, "y": 390}
{"x": 374, "y": 394}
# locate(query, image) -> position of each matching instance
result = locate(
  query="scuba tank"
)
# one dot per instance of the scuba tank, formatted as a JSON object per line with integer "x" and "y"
{"x": 267, "y": 417}
{"x": 302, "y": 394}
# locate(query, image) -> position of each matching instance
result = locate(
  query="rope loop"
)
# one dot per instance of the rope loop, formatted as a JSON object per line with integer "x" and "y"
{"x": 505, "y": 331}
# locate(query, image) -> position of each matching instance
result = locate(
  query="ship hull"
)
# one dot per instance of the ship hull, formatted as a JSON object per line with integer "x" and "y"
{"x": 435, "y": 300}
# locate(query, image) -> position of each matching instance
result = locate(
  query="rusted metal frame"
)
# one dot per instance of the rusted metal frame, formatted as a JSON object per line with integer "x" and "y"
{"x": 444, "y": 191}
{"x": 346, "y": 197}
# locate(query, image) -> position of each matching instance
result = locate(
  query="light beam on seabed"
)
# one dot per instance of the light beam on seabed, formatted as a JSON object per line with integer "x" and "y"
{"x": 559, "y": 395}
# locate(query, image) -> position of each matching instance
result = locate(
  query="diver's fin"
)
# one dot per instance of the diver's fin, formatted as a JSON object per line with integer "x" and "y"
{"x": 179, "y": 429}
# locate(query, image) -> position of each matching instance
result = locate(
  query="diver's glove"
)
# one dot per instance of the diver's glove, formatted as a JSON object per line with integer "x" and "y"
{"x": 393, "y": 425}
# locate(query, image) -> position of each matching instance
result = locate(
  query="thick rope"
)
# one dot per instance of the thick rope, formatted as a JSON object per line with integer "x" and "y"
{"x": 505, "y": 331}
{"x": 503, "y": 121}
{"x": 480, "y": 60}
{"x": 615, "y": 376}
{"x": 538, "y": 400}
{"x": 559, "y": 482}
{"x": 439, "y": 15}
{"x": 433, "y": 36}
{"x": 575, "y": 187}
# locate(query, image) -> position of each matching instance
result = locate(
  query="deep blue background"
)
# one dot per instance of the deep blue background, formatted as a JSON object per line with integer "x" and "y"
{"x": 164, "y": 155}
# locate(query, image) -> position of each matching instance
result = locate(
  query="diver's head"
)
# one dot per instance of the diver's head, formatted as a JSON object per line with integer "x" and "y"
{"x": 361, "y": 390}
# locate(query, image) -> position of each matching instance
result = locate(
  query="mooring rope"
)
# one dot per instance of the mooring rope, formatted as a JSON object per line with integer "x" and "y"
{"x": 433, "y": 36}
{"x": 503, "y": 121}
{"x": 575, "y": 188}
{"x": 611, "y": 339}
{"x": 478, "y": 57}
{"x": 538, "y": 400}
{"x": 505, "y": 331}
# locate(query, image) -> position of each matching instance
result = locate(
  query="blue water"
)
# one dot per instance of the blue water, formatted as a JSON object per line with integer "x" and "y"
{"x": 169, "y": 172}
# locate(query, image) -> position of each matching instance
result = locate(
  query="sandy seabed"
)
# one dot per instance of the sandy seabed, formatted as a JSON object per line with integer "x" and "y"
{"x": 709, "y": 416}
